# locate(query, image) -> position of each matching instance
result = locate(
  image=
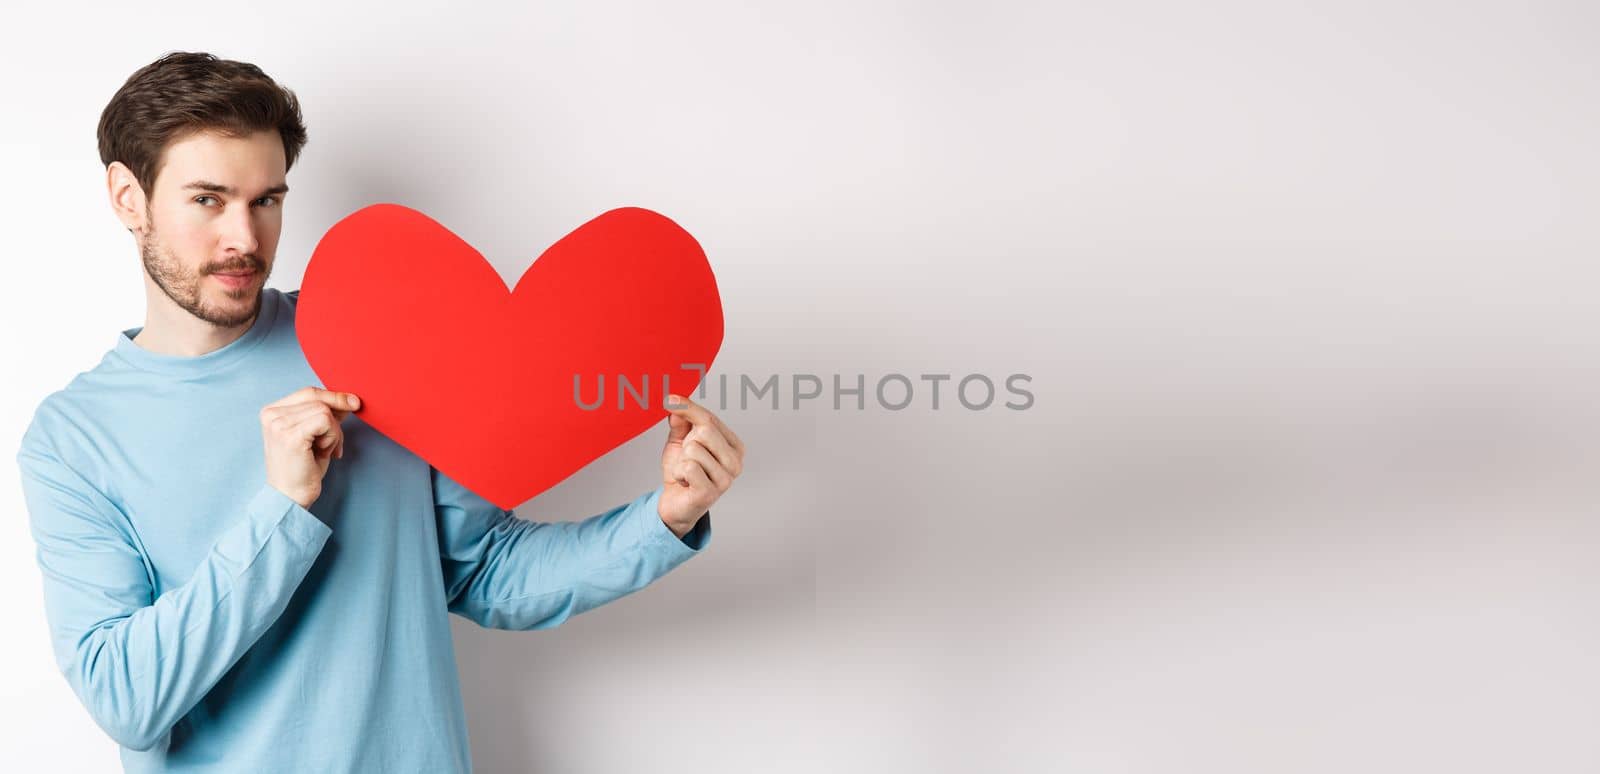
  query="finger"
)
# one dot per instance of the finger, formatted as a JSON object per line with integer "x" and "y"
{"x": 708, "y": 465}
{"x": 688, "y": 409}
{"x": 342, "y": 401}
{"x": 677, "y": 428}
{"x": 706, "y": 416}
{"x": 332, "y": 437}
{"x": 727, "y": 432}
{"x": 294, "y": 415}
{"x": 698, "y": 415}
{"x": 331, "y": 440}
{"x": 284, "y": 419}
{"x": 318, "y": 429}
{"x": 299, "y": 410}
{"x": 714, "y": 442}
{"x": 694, "y": 476}
{"x": 328, "y": 441}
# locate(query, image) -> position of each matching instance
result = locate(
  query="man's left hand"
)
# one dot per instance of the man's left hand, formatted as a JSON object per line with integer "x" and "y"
{"x": 700, "y": 462}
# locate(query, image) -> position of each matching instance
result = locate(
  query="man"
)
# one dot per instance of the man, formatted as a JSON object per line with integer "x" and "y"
{"x": 239, "y": 574}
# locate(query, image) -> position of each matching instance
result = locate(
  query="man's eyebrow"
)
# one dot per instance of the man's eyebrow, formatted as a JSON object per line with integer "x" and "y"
{"x": 206, "y": 185}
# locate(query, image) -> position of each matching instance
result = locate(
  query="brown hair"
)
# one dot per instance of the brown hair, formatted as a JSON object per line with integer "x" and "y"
{"x": 185, "y": 92}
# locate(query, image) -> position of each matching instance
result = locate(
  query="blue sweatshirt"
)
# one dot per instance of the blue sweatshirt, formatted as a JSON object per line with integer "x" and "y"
{"x": 210, "y": 623}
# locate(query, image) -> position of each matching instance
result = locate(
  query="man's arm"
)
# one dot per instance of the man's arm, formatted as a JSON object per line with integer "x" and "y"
{"x": 140, "y": 664}
{"x": 505, "y": 572}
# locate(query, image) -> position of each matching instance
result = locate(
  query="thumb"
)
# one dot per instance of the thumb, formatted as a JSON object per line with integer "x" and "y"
{"x": 677, "y": 427}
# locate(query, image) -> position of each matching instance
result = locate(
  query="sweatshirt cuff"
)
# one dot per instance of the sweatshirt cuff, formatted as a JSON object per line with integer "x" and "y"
{"x": 299, "y": 524}
{"x": 658, "y": 535}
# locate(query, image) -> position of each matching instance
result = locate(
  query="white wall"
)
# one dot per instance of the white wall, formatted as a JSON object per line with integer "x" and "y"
{"x": 1306, "y": 292}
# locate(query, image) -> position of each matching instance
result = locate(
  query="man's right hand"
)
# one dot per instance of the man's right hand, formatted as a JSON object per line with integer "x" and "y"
{"x": 302, "y": 436}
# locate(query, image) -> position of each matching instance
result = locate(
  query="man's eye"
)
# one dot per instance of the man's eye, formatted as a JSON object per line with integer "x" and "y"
{"x": 268, "y": 200}
{"x": 198, "y": 198}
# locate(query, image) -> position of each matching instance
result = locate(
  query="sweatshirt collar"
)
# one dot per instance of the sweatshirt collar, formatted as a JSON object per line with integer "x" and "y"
{"x": 210, "y": 362}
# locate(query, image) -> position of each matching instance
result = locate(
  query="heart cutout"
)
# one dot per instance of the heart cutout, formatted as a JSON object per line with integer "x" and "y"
{"x": 478, "y": 380}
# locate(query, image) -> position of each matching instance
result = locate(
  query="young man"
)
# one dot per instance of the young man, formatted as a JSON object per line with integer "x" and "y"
{"x": 239, "y": 574}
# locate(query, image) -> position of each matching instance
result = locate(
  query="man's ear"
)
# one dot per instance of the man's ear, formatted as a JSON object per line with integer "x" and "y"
{"x": 127, "y": 197}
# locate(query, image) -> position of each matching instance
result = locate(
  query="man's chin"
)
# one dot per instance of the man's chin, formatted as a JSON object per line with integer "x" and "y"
{"x": 230, "y": 309}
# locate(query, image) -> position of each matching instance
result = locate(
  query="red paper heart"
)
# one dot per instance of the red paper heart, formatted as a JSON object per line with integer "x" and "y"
{"x": 477, "y": 380}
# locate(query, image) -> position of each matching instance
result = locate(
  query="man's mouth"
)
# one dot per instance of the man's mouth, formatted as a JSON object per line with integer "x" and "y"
{"x": 235, "y": 279}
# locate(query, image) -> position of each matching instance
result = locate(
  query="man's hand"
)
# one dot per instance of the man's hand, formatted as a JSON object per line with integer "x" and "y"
{"x": 302, "y": 436}
{"x": 701, "y": 460}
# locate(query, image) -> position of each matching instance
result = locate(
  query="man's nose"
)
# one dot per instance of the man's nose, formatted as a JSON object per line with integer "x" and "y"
{"x": 239, "y": 233}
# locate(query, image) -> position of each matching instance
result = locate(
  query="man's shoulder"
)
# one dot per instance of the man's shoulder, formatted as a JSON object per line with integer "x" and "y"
{"x": 61, "y": 451}
{"x": 86, "y": 401}
{"x": 284, "y": 303}
{"x": 54, "y": 419}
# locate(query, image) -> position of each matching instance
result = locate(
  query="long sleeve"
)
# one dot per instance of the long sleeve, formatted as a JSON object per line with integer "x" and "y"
{"x": 505, "y": 572}
{"x": 139, "y": 663}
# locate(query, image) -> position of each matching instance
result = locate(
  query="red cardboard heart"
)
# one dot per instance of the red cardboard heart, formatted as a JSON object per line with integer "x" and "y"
{"x": 497, "y": 389}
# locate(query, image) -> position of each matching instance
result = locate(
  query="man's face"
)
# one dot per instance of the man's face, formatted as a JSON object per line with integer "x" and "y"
{"x": 213, "y": 223}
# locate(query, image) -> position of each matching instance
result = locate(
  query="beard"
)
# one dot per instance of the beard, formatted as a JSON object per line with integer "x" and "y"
{"x": 183, "y": 285}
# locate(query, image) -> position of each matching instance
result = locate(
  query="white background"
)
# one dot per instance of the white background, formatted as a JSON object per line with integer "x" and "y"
{"x": 1306, "y": 292}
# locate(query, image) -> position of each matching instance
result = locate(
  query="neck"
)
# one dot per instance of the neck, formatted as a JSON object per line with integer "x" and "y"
{"x": 171, "y": 330}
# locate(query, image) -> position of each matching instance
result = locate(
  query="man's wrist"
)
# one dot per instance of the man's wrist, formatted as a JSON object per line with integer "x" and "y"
{"x": 680, "y": 529}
